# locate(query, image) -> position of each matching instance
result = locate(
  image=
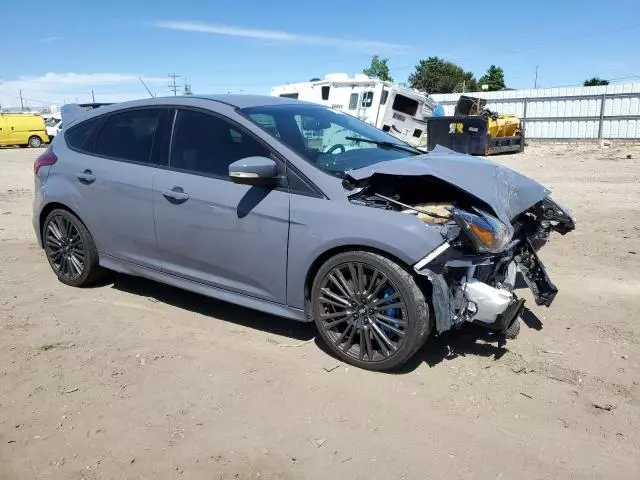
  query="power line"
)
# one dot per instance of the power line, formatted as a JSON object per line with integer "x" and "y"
{"x": 29, "y": 99}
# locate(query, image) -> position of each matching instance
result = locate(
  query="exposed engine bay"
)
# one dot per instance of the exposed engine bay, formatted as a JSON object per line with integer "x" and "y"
{"x": 473, "y": 272}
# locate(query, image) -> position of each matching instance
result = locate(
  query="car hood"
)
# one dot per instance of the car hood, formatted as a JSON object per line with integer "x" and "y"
{"x": 506, "y": 191}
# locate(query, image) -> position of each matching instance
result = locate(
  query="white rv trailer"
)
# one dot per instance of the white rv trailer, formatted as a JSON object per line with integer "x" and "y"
{"x": 390, "y": 107}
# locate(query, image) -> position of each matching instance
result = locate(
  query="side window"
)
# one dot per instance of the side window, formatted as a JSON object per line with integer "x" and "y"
{"x": 367, "y": 99}
{"x": 325, "y": 92}
{"x": 385, "y": 95}
{"x": 78, "y": 135}
{"x": 129, "y": 135}
{"x": 207, "y": 144}
{"x": 353, "y": 101}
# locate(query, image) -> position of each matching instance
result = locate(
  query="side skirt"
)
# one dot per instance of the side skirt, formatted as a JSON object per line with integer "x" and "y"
{"x": 272, "y": 308}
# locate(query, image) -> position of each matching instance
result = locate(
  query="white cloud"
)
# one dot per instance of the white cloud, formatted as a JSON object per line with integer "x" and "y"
{"x": 55, "y": 88}
{"x": 48, "y": 39}
{"x": 373, "y": 46}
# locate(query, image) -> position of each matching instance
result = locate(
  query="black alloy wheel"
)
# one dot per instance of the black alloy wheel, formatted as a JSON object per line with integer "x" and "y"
{"x": 70, "y": 249}
{"x": 369, "y": 310}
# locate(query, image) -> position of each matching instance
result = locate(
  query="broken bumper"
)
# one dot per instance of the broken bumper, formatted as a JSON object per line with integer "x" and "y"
{"x": 479, "y": 288}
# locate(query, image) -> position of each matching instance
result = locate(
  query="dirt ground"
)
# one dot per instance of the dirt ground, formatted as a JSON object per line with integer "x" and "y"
{"x": 135, "y": 380}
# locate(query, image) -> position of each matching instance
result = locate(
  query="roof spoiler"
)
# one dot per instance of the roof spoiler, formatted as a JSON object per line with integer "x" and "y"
{"x": 71, "y": 111}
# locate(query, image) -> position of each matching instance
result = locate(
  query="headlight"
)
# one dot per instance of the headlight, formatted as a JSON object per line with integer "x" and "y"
{"x": 487, "y": 233}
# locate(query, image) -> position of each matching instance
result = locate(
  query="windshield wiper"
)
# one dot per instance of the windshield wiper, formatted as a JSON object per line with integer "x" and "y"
{"x": 391, "y": 145}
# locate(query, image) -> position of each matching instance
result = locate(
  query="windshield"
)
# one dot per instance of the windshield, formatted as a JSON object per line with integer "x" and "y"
{"x": 327, "y": 138}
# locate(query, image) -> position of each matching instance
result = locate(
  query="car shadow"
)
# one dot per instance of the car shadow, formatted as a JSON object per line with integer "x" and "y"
{"x": 531, "y": 320}
{"x": 469, "y": 339}
{"x": 210, "y": 307}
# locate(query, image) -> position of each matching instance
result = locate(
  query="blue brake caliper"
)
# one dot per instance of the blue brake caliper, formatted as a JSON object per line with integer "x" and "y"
{"x": 390, "y": 312}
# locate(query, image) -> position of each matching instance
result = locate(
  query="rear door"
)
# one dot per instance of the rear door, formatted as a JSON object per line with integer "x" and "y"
{"x": 114, "y": 178}
{"x": 211, "y": 230}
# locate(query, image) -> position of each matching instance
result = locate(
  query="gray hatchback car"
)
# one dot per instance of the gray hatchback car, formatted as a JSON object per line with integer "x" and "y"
{"x": 296, "y": 210}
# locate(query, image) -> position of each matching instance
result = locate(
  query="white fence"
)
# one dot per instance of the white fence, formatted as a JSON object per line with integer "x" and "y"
{"x": 605, "y": 112}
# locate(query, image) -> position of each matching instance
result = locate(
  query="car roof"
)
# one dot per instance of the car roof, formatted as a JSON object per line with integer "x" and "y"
{"x": 75, "y": 113}
{"x": 247, "y": 101}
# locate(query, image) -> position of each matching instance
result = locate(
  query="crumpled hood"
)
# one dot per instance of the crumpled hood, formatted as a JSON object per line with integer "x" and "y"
{"x": 506, "y": 191}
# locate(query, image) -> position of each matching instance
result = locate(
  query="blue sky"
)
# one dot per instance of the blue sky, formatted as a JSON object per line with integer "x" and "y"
{"x": 72, "y": 47}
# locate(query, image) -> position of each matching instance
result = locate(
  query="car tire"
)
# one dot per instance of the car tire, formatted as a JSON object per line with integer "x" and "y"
{"x": 35, "y": 141}
{"x": 376, "y": 323}
{"x": 513, "y": 329}
{"x": 70, "y": 249}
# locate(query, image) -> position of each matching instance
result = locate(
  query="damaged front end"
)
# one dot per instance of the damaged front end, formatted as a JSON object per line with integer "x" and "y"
{"x": 473, "y": 271}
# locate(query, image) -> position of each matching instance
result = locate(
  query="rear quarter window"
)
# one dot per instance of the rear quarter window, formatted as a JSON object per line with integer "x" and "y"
{"x": 78, "y": 136}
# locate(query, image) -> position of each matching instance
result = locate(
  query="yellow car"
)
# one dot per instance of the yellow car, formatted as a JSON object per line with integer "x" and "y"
{"x": 22, "y": 129}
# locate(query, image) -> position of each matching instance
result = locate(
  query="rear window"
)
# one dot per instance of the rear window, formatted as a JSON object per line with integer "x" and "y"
{"x": 129, "y": 135}
{"x": 405, "y": 105}
{"x": 78, "y": 136}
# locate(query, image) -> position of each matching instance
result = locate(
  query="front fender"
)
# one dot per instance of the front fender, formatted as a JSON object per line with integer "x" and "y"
{"x": 319, "y": 225}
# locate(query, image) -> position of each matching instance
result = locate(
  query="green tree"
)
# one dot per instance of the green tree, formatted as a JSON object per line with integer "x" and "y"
{"x": 595, "y": 81}
{"x": 436, "y": 75}
{"x": 494, "y": 78}
{"x": 378, "y": 69}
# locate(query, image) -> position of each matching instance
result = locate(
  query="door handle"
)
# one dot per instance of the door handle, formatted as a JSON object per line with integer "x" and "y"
{"x": 176, "y": 195}
{"x": 86, "y": 177}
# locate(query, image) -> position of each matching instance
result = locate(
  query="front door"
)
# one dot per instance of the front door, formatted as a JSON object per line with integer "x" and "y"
{"x": 211, "y": 230}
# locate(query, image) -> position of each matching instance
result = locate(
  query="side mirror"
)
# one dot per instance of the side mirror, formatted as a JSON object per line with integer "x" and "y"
{"x": 260, "y": 171}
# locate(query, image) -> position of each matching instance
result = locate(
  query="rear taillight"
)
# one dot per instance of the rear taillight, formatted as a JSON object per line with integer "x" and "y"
{"x": 46, "y": 159}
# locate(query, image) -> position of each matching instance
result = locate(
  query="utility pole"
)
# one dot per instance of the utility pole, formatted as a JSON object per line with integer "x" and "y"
{"x": 535, "y": 83}
{"x": 173, "y": 86}
{"x": 187, "y": 88}
{"x": 93, "y": 97}
{"x": 21, "y": 102}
